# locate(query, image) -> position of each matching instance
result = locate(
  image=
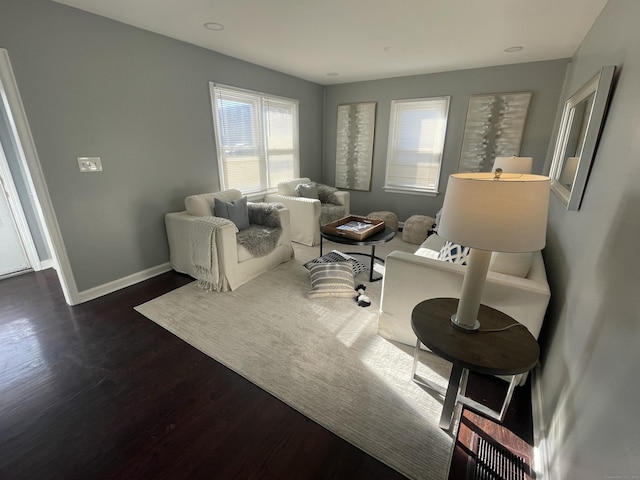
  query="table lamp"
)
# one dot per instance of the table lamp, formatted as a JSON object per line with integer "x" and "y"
{"x": 513, "y": 164}
{"x": 501, "y": 212}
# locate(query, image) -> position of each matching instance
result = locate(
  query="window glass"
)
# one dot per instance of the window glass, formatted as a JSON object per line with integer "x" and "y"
{"x": 416, "y": 140}
{"x": 257, "y": 139}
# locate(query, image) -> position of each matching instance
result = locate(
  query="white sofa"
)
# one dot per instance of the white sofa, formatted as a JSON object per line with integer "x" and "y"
{"x": 305, "y": 212}
{"x": 412, "y": 278}
{"x": 234, "y": 261}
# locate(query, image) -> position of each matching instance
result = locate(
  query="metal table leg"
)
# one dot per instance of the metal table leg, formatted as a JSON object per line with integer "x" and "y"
{"x": 373, "y": 259}
{"x": 450, "y": 397}
{"x": 455, "y": 392}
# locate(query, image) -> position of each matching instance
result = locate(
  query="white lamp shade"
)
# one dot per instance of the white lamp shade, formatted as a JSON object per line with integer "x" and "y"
{"x": 569, "y": 171}
{"x": 513, "y": 164}
{"x": 505, "y": 215}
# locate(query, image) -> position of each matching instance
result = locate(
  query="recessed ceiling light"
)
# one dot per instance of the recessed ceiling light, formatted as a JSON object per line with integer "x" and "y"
{"x": 214, "y": 26}
{"x": 513, "y": 49}
{"x": 332, "y": 74}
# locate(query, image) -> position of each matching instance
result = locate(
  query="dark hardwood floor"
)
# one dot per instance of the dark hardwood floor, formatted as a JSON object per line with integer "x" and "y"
{"x": 97, "y": 391}
{"x": 511, "y": 440}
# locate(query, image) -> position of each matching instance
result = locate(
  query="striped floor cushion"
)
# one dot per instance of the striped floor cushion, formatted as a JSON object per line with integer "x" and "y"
{"x": 333, "y": 279}
{"x": 336, "y": 256}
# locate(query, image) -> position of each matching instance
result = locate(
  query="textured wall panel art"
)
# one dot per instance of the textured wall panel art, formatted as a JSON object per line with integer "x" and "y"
{"x": 354, "y": 145}
{"x": 493, "y": 129}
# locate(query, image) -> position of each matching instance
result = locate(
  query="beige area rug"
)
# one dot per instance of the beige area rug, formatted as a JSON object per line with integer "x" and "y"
{"x": 321, "y": 357}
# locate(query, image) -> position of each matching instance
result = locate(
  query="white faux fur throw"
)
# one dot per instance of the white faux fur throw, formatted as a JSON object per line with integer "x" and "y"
{"x": 204, "y": 253}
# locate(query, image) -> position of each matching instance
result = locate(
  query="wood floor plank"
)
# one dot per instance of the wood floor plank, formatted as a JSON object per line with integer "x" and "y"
{"x": 98, "y": 391}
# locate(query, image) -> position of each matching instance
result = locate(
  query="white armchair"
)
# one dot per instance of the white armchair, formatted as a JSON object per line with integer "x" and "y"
{"x": 235, "y": 262}
{"x": 307, "y": 214}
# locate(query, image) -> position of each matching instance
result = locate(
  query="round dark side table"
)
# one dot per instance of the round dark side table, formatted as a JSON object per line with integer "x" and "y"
{"x": 502, "y": 346}
{"x": 382, "y": 236}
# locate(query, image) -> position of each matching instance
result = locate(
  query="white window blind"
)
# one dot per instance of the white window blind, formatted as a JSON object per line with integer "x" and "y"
{"x": 417, "y": 130}
{"x": 256, "y": 137}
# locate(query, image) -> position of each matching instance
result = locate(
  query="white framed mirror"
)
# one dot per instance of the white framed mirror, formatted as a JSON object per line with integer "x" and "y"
{"x": 578, "y": 135}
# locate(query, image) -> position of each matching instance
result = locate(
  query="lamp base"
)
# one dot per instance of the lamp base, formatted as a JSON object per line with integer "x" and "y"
{"x": 464, "y": 327}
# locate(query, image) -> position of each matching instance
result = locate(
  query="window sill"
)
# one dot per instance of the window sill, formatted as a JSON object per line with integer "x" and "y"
{"x": 410, "y": 192}
{"x": 255, "y": 196}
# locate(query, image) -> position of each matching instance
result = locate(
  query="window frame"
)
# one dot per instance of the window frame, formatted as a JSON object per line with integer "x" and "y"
{"x": 261, "y": 102}
{"x": 395, "y": 110}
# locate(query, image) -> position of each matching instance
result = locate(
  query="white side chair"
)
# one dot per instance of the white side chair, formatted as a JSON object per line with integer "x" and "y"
{"x": 235, "y": 262}
{"x": 308, "y": 214}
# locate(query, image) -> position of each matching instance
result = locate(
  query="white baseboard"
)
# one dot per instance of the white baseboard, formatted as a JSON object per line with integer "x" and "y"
{"x": 124, "y": 282}
{"x": 540, "y": 453}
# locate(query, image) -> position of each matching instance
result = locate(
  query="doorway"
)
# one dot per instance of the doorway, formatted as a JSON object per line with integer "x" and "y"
{"x": 35, "y": 184}
{"x": 13, "y": 256}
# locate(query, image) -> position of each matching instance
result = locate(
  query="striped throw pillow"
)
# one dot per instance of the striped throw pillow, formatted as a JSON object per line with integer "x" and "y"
{"x": 333, "y": 279}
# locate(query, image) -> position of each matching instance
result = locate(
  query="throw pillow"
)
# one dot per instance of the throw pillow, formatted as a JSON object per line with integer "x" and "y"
{"x": 307, "y": 190}
{"x": 454, "y": 253}
{"x": 327, "y": 194}
{"x": 235, "y": 211}
{"x": 516, "y": 264}
{"x": 331, "y": 280}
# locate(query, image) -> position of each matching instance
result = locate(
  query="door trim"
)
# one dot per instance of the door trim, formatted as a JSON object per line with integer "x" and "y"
{"x": 19, "y": 218}
{"x": 28, "y": 155}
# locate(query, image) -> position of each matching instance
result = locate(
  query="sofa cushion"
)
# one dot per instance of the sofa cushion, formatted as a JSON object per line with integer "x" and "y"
{"x": 307, "y": 190}
{"x": 331, "y": 280}
{"x": 236, "y": 211}
{"x": 454, "y": 253}
{"x": 433, "y": 242}
{"x": 431, "y": 247}
{"x": 516, "y": 264}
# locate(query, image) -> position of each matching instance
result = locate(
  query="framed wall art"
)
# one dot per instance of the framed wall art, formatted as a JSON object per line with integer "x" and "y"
{"x": 493, "y": 128}
{"x": 354, "y": 145}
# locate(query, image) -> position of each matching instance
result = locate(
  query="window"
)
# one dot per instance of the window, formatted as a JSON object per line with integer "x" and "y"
{"x": 416, "y": 139}
{"x": 256, "y": 137}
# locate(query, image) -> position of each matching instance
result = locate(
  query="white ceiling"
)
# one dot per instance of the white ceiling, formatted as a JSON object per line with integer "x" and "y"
{"x": 365, "y": 39}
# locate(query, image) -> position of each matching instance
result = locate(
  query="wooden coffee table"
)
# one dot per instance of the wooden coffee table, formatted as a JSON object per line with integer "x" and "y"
{"x": 502, "y": 346}
{"x": 382, "y": 236}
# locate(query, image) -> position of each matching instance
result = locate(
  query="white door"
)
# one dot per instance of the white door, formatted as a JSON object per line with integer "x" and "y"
{"x": 12, "y": 255}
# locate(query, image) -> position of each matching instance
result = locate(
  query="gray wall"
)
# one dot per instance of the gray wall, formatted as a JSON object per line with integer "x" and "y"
{"x": 140, "y": 101}
{"x": 544, "y": 79}
{"x": 591, "y": 337}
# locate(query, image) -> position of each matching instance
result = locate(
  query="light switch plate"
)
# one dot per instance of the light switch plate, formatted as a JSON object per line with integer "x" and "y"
{"x": 90, "y": 164}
